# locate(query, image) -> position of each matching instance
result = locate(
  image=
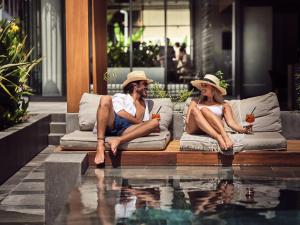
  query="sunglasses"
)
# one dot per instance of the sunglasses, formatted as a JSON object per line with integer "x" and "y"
{"x": 144, "y": 83}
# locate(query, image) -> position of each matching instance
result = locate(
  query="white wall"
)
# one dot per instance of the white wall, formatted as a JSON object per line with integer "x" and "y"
{"x": 51, "y": 23}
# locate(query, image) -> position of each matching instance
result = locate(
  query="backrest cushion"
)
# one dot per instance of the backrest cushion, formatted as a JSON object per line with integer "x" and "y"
{"x": 87, "y": 111}
{"x": 166, "y": 110}
{"x": 89, "y": 104}
{"x": 267, "y": 112}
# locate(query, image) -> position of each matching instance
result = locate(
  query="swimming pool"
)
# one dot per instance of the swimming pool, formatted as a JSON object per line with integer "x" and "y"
{"x": 183, "y": 195}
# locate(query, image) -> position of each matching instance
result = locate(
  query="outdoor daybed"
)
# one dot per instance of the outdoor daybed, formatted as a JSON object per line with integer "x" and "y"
{"x": 266, "y": 128}
{"x": 81, "y": 137}
{"x": 266, "y": 146}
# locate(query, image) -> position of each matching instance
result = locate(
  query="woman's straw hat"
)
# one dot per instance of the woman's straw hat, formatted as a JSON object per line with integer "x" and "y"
{"x": 211, "y": 80}
{"x": 136, "y": 76}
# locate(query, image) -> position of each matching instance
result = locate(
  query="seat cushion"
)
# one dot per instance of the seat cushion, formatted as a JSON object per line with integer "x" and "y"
{"x": 255, "y": 141}
{"x": 86, "y": 140}
{"x": 264, "y": 141}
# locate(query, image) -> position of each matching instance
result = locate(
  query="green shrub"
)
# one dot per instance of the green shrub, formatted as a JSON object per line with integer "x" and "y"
{"x": 15, "y": 66}
{"x": 157, "y": 91}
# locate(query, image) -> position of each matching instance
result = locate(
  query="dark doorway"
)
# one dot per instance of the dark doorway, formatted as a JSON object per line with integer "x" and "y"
{"x": 286, "y": 44}
{"x": 270, "y": 36}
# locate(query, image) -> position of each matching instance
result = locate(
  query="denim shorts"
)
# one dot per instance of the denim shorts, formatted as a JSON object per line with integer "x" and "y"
{"x": 120, "y": 124}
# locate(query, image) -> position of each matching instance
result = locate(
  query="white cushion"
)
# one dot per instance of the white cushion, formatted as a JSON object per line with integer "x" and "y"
{"x": 86, "y": 140}
{"x": 166, "y": 110}
{"x": 255, "y": 141}
{"x": 87, "y": 111}
{"x": 267, "y": 112}
{"x": 89, "y": 104}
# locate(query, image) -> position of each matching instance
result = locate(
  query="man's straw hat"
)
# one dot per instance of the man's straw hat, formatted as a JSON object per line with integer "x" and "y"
{"x": 136, "y": 76}
{"x": 211, "y": 80}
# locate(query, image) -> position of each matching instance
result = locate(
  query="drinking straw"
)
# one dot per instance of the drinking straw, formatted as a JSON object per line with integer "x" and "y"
{"x": 158, "y": 110}
{"x": 253, "y": 110}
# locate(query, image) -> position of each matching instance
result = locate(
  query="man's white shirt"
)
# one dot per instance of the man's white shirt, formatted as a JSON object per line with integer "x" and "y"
{"x": 125, "y": 102}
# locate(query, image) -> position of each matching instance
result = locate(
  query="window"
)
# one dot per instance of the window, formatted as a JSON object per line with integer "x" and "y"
{"x": 138, "y": 32}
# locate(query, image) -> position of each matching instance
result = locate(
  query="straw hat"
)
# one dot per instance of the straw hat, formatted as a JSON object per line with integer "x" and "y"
{"x": 211, "y": 80}
{"x": 135, "y": 76}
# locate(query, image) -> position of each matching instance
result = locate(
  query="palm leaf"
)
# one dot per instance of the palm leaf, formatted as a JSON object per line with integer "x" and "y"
{"x": 7, "y": 91}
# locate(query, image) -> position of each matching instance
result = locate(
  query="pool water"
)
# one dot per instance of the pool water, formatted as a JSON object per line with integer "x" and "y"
{"x": 182, "y": 196}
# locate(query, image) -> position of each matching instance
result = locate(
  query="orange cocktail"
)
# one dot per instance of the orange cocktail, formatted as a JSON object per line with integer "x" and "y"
{"x": 155, "y": 116}
{"x": 250, "y": 118}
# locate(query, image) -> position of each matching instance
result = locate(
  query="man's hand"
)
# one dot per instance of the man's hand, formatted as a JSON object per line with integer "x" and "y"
{"x": 157, "y": 129}
{"x": 129, "y": 117}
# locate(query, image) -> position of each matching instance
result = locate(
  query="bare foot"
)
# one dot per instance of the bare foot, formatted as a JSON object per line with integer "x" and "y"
{"x": 228, "y": 142}
{"x": 114, "y": 143}
{"x": 100, "y": 177}
{"x": 222, "y": 143}
{"x": 99, "y": 158}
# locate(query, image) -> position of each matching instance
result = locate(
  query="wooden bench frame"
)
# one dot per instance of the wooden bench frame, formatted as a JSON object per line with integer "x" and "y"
{"x": 172, "y": 156}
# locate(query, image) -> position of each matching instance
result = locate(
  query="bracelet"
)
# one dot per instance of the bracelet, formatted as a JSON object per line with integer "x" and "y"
{"x": 100, "y": 138}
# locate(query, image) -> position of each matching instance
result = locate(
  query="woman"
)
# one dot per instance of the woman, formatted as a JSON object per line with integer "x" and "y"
{"x": 206, "y": 114}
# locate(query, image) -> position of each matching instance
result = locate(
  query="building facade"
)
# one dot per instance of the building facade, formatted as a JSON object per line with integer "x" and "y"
{"x": 256, "y": 44}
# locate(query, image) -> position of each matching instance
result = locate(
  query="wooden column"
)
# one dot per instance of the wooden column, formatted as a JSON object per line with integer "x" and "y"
{"x": 99, "y": 31}
{"x": 77, "y": 52}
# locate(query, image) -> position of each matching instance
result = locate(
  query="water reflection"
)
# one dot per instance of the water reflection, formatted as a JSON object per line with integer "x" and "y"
{"x": 208, "y": 200}
{"x": 145, "y": 200}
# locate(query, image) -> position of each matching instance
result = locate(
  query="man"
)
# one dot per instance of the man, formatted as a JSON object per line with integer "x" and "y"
{"x": 184, "y": 63}
{"x": 125, "y": 116}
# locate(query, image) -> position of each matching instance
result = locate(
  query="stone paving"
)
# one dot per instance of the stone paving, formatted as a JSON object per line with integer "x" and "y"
{"x": 47, "y": 107}
{"x": 22, "y": 195}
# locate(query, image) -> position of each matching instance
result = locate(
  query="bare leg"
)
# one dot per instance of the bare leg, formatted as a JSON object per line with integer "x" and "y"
{"x": 197, "y": 122}
{"x": 132, "y": 132}
{"x": 105, "y": 118}
{"x": 216, "y": 123}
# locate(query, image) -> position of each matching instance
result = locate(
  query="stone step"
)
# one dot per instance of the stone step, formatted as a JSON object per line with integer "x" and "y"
{"x": 54, "y": 139}
{"x": 58, "y": 117}
{"x": 58, "y": 127}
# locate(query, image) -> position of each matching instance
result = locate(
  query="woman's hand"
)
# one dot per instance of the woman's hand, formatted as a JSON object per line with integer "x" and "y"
{"x": 246, "y": 129}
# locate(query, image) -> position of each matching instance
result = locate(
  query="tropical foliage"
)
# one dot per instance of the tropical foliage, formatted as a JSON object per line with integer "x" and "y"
{"x": 144, "y": 54}
{"x": 15, "y": 66}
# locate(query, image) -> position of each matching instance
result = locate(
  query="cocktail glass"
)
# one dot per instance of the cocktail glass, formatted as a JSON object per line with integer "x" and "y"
{"x": 250, "y": 118}
{"x": 155, "y": 116}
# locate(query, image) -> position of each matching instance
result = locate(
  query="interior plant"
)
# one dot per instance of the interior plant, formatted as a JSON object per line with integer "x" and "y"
{"x": 15, "y": 66}
{"x": 144, "y": 54}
